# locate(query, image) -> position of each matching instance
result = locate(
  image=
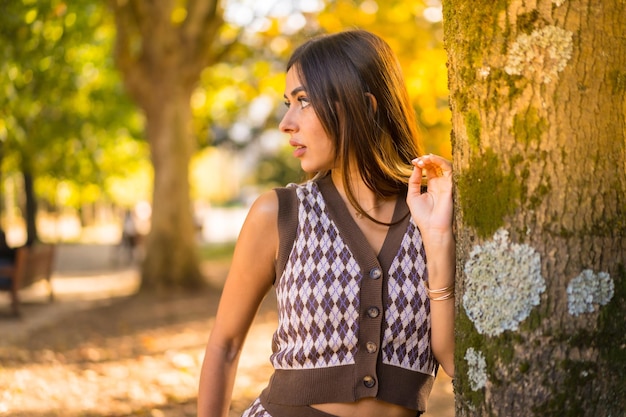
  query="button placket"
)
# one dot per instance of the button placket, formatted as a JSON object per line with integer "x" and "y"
{"x": 370, "y": 331}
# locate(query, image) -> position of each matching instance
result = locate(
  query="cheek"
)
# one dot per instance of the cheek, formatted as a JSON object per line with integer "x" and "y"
{"x": 330, "y": 147}
{"x": 321, "y": 138}
{"x": 329, "y": 150}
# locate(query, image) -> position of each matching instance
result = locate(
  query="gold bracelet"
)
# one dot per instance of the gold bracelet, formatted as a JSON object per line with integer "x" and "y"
{"x": 440, "y": 290}
{"x": 443, "y": 297}
{"x": 440, "y": 294}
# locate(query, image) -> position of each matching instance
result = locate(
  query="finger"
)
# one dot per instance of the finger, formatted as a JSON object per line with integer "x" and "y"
{"x": 415, "y": 181}
{"x": 428, "y": 167}
{"x": 441, "y": 163}
{"x": 435, "y": 166}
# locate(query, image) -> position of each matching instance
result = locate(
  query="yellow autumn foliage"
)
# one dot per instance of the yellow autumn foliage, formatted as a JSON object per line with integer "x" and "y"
{"x": 420, "y": 50}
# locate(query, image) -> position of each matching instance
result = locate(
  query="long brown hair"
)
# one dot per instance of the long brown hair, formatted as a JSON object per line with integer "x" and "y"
{"x": 340, "y": 72}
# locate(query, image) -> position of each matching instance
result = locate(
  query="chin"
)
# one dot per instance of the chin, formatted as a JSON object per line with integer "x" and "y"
{"x": 315, "y": 168}
{"x": 308, "y": 168}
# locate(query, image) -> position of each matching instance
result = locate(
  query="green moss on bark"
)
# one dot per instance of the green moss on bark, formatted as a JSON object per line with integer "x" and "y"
{"x": 498, "y": 351}
{"x": 583, "y": 383}
{"x": 611, "y": 341}
{"x": 529, "y": 126}
{"x": 468, "y": 338}
{"x": 487, "y": 194}
{"x": 540, "y": 192}
{"x": 479, "y": 18}
{"x": 569, "y": 399}
{"x": 472, "y": 126}
{"x": 527, "y": 22}
{"x": 618, "y": 81}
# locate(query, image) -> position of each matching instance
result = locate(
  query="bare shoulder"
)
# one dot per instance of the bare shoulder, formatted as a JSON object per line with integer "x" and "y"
{"x": 263, "y": 215}
{"x": 259, "y": 235}
{"x": 251, "y": 273}
{"x": 265, "y": 206}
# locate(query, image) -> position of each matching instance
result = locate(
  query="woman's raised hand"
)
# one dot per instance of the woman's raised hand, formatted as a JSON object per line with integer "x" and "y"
{"x": 431, "y": 210}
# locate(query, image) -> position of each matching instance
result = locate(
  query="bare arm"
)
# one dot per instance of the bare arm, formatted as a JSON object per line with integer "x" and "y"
{"x": 249, "y": 279}
{"x": 432, "y": 212}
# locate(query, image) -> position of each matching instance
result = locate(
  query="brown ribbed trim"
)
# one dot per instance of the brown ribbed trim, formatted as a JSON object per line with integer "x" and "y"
{"x": 287, "y": 226}
{"x": 312, "y": 386}
{"x": 281, "y": 410}
{"x": 403, "y": 387}
{"x": 399, "y": 386}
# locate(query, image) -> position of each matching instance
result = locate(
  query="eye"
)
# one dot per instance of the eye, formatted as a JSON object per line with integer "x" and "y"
{"x": 304, "y": 102}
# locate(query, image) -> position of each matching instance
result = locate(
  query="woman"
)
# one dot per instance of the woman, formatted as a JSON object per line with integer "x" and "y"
{"x": 360, "y": 333}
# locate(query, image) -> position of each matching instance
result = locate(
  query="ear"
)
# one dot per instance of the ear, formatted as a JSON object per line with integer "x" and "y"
{"x": 373, "y": 102}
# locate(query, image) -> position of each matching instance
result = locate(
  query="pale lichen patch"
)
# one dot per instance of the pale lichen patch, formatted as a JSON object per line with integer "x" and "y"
{"x": 503, "y": 283}
{"x": 476, "y": 369}
{"x": 542, "y": 54}
{"x": 483, "y": 72}
{"x": 589, "y": 290}
{"x": 558, "y": 3}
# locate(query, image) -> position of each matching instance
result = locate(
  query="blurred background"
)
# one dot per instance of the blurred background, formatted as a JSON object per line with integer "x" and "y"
{"x": 90, "y": 131}
{"x": 73, "y": 153}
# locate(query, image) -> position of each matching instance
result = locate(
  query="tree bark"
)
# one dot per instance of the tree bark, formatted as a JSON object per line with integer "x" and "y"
{"x": 539, "y": 147}
{"x": 171, "y": 255}
{"x": 161, "y": 55}
{"x": 30, "y": 206}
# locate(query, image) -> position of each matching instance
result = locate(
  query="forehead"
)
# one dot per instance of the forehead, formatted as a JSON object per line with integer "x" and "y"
{"x": 292, "y": 81}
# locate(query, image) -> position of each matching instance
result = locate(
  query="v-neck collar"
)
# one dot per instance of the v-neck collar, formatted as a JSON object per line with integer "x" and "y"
{"x": 352, "y": 234}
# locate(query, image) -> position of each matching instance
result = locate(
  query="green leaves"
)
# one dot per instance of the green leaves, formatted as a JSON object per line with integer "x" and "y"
{"x": 62, "y": 104}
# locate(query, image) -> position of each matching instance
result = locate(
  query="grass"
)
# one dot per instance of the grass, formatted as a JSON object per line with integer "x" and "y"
{"x": 217, "y": 251}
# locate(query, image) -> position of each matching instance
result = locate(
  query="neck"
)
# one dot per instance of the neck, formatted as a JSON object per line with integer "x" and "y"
{"x": 368, "y": 201}
{"x": 364, "y": 196}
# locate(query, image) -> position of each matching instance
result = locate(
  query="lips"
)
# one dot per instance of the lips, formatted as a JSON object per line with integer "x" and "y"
{"x": 299, "y": 150}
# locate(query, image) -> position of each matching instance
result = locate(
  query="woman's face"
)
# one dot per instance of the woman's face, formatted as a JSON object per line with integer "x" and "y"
{"x": 306, "y": 134}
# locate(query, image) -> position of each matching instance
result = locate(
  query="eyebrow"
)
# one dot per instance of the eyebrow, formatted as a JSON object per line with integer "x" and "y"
{"x": 295, "y": 91}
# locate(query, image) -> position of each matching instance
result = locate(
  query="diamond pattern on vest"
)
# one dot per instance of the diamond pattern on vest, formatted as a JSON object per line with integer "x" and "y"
{"x": 318, "y": 293}
{"x": 406, "y": 328}
{"x": 256, "y": 409}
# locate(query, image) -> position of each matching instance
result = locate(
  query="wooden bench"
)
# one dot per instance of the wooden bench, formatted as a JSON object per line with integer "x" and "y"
{"x": 32, "y": 264}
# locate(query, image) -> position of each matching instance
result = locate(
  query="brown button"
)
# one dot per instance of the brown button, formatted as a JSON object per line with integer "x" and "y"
{"x": 371, "y": 347}
{"x": 369, "y": 381}
{"x": 373, "y": 312}
{"x": 375, "y": 273}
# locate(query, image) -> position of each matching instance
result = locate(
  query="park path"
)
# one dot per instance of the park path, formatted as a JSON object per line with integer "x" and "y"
{"x": 97, "y": 352}
{"x": 83, "y": 276}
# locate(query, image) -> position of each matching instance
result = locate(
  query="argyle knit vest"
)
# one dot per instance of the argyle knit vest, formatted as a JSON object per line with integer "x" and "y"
{"x": 351, "y": 324}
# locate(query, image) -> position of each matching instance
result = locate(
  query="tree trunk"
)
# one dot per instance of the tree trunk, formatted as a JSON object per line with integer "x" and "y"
{"x": 30, "y": 207}
{"x": 539, "y": 124}
{"x": 171, "y": 258}
{"x": 161, "y": 49}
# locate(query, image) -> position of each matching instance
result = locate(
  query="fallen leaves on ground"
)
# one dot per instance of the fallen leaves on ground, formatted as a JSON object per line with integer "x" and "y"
{"x": 136, "y": 356}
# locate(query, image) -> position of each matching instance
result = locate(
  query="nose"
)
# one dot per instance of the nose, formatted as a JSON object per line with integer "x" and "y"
{"x": 287, "y": 124}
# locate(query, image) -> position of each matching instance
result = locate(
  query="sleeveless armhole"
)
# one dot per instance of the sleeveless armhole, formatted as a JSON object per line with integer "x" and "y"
{"x": 287, "y": 226}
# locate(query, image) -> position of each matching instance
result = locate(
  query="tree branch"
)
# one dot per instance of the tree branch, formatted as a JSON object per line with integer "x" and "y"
{"x": 199, "y": 12}
{"x": 204, "y": 19}
{"x": 125, "y": 60}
